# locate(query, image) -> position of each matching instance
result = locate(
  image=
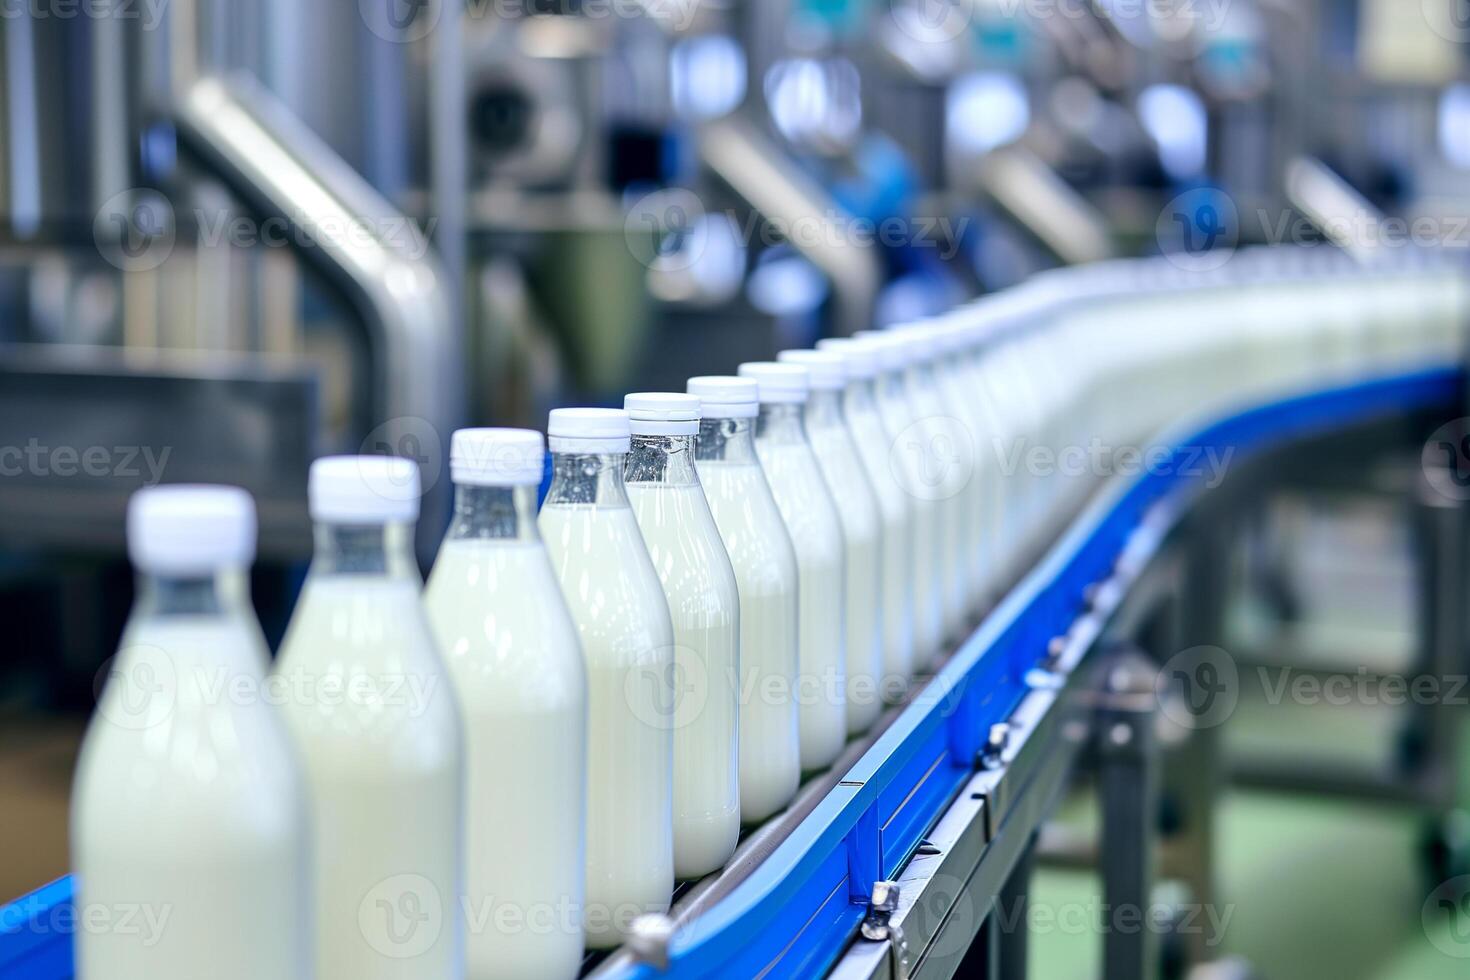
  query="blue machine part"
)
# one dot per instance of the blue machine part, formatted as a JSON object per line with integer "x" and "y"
{"x": 882, "y": 183}
{"x": 796, "y": 913}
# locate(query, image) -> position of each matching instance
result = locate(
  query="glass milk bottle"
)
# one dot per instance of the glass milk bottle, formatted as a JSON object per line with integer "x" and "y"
{"x": 865, "y": 427}
{"x": 187, "y": 811}
{"x": 963, "y": 403}
{"x": 618, "y": 606}
{"x": 857, "y": 509}
{"x": 891, "y": 396}
{"x": 704, "y": 603}
{"x": 943, "y": 448}
{"x": 764, "y": 563}
{"x": 810, "y": 515}
{"x": 512, "y": 655}
{"x": 375, "y": 722}
{"x": 969, "y": 377}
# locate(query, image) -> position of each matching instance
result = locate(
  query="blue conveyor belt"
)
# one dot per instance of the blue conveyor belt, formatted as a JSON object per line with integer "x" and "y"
{"x": 794, "y": 914}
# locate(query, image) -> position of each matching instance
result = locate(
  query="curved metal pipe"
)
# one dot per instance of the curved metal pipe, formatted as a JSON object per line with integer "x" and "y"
{"x": 757, "y": 169}
{"x": 350, "y": 233}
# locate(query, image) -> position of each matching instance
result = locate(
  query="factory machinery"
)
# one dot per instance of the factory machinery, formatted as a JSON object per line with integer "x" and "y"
{"x": 911, "y": 856}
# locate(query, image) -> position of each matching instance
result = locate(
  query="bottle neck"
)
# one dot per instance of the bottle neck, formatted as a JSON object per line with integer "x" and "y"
{"x": 921, "y": 372}
{"x": 185, "y": 595}
{"x": 824, "y": 410}
{"x": 889, "y": 384}
{"x": 587, "y": 478}
{"x": 494, "y": 513}
{"x": 781, "y": 422}
{"x": 364, "y": 549}
{"x": 667, "y": 460}
{"x": 726, "y": 440}
{"x": 859, "y": 396}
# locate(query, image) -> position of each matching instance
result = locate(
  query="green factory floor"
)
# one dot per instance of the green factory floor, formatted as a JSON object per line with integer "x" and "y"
{"x": 1308, "y": 888}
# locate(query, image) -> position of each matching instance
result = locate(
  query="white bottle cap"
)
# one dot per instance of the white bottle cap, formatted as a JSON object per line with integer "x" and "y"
{"x": 780, "y": 384}
{"x": 662, "y": 413}
{"x": 190, "y": 530}
{"x": 589, "y": 430}
{"x": 860, "y": 358}
{"x": 726, "y": 397}
{"x": 828, "y": 369}
{"x": 887, "y": 348}
{"x": 363, "y": 490}
{"x": 497, "y": 457}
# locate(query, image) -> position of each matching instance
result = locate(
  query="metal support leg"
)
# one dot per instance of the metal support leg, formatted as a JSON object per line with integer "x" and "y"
{"x": 1014, "y": 899}
{"x": 1441, "y": 548}
{"x": 1195, "y": 770}
{"x": 1128, "y": 781}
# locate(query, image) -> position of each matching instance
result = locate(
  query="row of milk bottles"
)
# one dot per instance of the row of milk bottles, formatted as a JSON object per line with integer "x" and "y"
{"x": 586, "y": 704}
{"x": 482, "y": 775}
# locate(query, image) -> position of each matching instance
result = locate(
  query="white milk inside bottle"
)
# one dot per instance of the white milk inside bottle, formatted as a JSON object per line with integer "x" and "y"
{"x": 962, "y": 402}
{"x": 991, "y": 461}
{"x": 618, "y": 607}
{"x": 942, "y": 449}
{"x": 704, "y": 604}
{"x": 898, "y": 416}
{"x": 375, "y": 722}
{"x": 811, "y": 519}
{"x": 865, "y": 427}
{"x": 764, "y": 564}
{"x": 857, "y": 509}
{"x": 187, "y": 806}
{"x": 513, "y": 657}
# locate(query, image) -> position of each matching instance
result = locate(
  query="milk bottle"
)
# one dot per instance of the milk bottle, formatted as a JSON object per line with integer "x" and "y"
{"x": 618, "y": 607}
{"x": 704, "y": 603}
{"x": 865, "y": 426}
{"x": 764, "y": 563}
{"x": 942, "y": 447}
{"x": 963, "y": 403}
{"x": 375, "y": 722}
{"x": 810, "y": 515}
{"x": 857, "y": 510}
{"x": 187, "y": 811}
{"x": 513, "y": 658}
{"x": 891, "y": 395}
